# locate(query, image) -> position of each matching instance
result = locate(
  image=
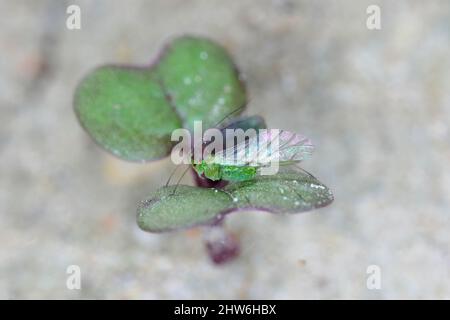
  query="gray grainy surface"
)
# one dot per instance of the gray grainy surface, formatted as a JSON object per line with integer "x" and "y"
{"x": 376, "y": 104}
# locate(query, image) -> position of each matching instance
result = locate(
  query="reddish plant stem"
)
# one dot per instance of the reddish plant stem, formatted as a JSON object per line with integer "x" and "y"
{"x": 221, "y": 245}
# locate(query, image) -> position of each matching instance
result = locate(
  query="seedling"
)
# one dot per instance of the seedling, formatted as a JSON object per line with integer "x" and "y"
{"x": 132, "y": 112}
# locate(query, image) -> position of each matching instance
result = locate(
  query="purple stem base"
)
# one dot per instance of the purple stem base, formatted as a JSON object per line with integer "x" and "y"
{"x": 222, "y": 246}
{"x": 224, "y": 249}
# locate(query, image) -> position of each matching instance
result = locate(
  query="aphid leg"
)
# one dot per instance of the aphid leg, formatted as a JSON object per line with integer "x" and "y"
{"x": 179, "y": 180}
{"x": 171, "y": 175}
{"x": 304, "y": 171}
{"x": 229, "y": 194}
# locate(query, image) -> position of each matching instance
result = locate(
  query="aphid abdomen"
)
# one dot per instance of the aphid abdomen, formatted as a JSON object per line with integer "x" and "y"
{"x": 238, "y": 173}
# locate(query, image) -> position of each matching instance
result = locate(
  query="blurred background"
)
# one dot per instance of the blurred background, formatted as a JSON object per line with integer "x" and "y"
{"x": 375, "y": 103}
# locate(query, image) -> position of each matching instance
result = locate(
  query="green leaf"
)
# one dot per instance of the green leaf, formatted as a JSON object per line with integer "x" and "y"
{"x": 125, "y": 111}
{"x": 186, "y": 207}
{"x": 290, "y": 191}
{"x": 201, "y": 80}
{"x": 132, "y": 111}
{"x": 286, "y": 192}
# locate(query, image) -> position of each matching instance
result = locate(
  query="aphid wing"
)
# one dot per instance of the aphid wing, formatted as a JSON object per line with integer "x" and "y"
{"x": 295, "y": 147}
{"x": 235, "y": 155}
{"x": 269, "y": 146}
{"x": 290, "y": 147}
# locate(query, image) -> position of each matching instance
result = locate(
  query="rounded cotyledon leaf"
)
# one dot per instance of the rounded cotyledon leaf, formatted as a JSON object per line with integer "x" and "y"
{"x": 126, "y": 112}
{"x": 132, "y": 111}
{"x": 290, "y": 191}
{"x": 201, "y": 81}
{"x": 175, "y": 207}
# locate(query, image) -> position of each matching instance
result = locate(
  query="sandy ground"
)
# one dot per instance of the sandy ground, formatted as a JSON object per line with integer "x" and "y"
{"x": 376, "y": 104}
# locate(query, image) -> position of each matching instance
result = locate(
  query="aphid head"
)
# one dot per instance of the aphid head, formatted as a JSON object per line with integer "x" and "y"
{"x": 199, "y": 167}
{"x": 211, "y": 171}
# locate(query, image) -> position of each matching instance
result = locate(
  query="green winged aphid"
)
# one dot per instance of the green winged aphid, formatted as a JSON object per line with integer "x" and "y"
{"x": 245, "y": 160}
{"x": 132, "y": 112}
